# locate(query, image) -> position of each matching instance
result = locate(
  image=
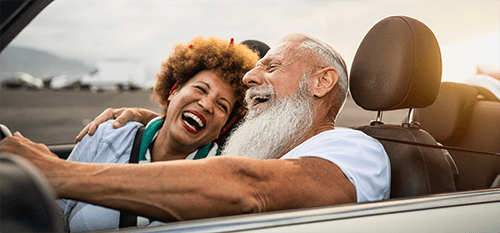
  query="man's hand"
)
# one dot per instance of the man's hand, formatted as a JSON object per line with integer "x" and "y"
{"x": 122, "y": 116}
{"x": 35, "y": 153}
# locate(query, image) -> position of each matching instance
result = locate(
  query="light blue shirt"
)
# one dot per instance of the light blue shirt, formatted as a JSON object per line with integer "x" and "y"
{"x": 361, "y": 158}
{"x": 107, "y": 145}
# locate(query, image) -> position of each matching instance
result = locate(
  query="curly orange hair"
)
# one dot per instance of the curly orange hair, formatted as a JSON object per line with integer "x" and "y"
{"x": 230, "y": 61}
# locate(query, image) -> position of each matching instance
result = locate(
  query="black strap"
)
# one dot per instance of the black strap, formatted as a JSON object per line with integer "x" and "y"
{"x": 437, "y": 146}
{"x": 128, "y": 219}
{"x": 136, "y": 147}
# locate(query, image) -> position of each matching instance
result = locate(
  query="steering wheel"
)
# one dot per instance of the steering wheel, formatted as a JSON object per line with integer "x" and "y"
{"x": 4, "y": 132}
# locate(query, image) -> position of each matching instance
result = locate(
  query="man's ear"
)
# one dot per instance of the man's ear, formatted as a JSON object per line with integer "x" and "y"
{"x": 324, "y": 81}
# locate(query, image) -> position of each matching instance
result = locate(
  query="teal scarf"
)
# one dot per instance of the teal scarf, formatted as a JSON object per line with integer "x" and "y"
{"x": 149, "y": 134}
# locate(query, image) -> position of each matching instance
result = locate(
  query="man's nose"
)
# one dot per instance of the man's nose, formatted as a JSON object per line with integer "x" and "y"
{"x": 253, "y": 78}
{"x": 207, "y": 104}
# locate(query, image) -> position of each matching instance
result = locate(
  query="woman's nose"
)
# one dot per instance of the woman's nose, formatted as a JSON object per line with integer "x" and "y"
{"x": 253, "y": 78}
{"x": 207, "y": 104}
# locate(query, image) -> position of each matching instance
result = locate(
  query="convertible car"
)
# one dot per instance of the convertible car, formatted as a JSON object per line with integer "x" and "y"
{"x": 445, "y": 157}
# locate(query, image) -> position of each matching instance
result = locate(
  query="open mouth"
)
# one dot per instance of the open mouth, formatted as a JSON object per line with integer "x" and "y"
{"x": 193, "y": 121}
{"x": 258, "y": 99}
{"x": 255, "y": 96}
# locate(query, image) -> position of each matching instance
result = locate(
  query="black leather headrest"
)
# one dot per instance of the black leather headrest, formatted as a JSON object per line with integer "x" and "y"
{"x": 397, "y": 65}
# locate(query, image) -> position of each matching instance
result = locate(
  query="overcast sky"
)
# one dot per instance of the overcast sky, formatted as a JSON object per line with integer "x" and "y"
{"x": 468, "y": 31}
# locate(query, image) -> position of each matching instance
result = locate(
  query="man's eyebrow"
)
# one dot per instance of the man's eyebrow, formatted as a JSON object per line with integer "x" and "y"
{"x": 264, "y": 61}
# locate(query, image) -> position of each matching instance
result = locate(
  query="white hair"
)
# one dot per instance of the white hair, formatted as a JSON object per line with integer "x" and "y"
{"x": 327, "y": 56}
{"x": 330, "y": 56}
{"x": 271, "y": 131}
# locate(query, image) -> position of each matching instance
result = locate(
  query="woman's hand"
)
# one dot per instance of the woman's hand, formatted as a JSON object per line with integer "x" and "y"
{"x": 122, "y": 116}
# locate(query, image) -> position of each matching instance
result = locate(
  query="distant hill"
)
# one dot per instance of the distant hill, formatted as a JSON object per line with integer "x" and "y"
{"x": 38, "y": 63}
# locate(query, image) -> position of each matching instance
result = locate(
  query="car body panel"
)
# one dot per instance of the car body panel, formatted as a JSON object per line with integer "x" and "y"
{"x": 433, "y": 213}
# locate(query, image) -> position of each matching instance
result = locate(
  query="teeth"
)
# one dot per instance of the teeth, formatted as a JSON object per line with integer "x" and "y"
{"x": 260, "y": 99}
{"x": 190, "y": 126}
{"x": 195, "y": 118}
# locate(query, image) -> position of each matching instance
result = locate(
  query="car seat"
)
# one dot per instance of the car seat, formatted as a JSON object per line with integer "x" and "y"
{"x": 26, "y": 202}
{"x": 398, "y": 66}
{"x": 467, "y": 116}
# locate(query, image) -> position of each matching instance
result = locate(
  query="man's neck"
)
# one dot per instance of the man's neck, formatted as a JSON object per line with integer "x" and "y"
{"x": 311, "y": 133}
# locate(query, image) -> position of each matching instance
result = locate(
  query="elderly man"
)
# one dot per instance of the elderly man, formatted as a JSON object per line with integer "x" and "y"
{"x": 289, "y": 153}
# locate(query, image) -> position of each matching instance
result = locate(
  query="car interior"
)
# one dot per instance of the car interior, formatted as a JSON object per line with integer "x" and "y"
{"x": 467, "y": 117}
{"x": 27, "y": 203}
{"x": 398, "y": 66}
{"x": 450, "y": 141}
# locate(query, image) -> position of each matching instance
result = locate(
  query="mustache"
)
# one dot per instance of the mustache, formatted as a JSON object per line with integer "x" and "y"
{"x": 256, "y": 95}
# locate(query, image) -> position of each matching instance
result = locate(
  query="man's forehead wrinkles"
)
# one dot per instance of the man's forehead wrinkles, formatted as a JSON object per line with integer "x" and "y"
{"x": 265, "y": 60}
{"x": 290, "y": 57}
{"x": 285, "y": 54}
{"x": 268, "y": 59}
{"x": 279, "y": 51}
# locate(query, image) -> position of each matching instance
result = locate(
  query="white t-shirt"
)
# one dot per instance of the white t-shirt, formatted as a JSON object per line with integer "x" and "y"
{"x": 362, "y": 159}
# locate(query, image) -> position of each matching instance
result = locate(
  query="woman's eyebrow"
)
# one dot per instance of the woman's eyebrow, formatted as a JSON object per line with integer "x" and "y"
{"x": 226, "y": 100}
{"x": 228, "y": 103}
{"x": 202, "y": 82}
{"x": 222, "y": 98}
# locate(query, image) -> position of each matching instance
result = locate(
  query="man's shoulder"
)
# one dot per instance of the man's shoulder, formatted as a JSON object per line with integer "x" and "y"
{"x": 339, "y": 141}
{"x": 361, "y": 158}
{"x": 344, "y": 134}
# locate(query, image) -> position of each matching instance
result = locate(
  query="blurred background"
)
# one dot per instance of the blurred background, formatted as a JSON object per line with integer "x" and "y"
{"x": 78, "y": 57}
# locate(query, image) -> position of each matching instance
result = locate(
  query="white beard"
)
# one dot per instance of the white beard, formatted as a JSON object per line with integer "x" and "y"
{"x": 271, "y": 131}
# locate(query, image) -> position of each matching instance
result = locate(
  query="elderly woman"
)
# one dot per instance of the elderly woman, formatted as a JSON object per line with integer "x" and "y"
{"x": 200, "y": 87}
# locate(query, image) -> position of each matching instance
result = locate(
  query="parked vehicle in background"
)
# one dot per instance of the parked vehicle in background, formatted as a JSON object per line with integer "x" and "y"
{"x": 67, "y": 82}
{"x": 21, "y": 80}
{"x": 46, "y": 79}
{"x": 115, "y": 74}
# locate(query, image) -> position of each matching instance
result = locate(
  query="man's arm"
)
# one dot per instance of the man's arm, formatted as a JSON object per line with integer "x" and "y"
{"x": 182, "y": 190}
{"x": 122, "y": 116}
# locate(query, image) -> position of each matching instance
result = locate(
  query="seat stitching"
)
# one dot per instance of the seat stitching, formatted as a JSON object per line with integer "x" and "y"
{"x": 425, "y": 163}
